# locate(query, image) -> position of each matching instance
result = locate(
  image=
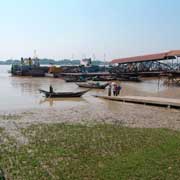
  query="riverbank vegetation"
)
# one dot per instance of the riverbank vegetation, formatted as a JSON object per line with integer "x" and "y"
{"x": 62, "y": 151}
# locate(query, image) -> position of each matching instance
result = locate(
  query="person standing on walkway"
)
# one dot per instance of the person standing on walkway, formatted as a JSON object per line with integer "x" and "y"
{"x": 109, "y": 89}
{"x": 114, "y": 89}
{"x": 118, "y": 89}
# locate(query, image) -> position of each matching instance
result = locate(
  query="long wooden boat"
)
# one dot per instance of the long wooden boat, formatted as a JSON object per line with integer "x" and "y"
{"x": 103, "y": 78}
{"x": 93, "y": 85}
{"x": 75, "y": 80}
{"x": 62, "y": 94}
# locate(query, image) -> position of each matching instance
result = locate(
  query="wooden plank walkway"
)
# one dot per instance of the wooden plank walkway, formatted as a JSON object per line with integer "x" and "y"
{"x": 86, "y": 74}
{"x": 156, "y": 101}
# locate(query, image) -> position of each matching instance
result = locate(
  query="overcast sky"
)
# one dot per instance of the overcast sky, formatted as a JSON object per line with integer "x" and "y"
{"x": 65, "y": 28}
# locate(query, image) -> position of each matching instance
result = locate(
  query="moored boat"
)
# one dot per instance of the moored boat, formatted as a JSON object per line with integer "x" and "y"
{"x": 93, "y": 85}
{"x": 62, "y": 94}
{"x": 103, "y": 78}
{"x": 75, "y": 79}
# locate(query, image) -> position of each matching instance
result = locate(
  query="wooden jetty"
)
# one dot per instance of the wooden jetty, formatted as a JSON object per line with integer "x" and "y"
{"x": 86, "y": 74}
{"x": 156, "y": 101}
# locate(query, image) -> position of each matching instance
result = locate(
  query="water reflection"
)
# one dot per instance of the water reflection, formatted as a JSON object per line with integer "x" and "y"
{"x": 152, "y": 85}
{"x": 53, "y": 101}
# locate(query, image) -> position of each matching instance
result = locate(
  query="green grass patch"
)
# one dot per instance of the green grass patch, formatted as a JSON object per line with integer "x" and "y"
{"x": 93, "y": 152}
{"x": 1, "y": 130}
{"x": 10, "y": 117}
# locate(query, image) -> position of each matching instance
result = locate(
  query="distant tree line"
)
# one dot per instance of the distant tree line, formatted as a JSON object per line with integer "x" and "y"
{"x": 54, "y": 62}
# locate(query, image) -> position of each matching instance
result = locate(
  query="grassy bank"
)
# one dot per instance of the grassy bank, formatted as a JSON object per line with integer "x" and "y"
{"x": 98, "y": 152}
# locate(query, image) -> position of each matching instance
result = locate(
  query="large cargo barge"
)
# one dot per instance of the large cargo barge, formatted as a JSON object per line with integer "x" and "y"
{"x": 29, "y": 67}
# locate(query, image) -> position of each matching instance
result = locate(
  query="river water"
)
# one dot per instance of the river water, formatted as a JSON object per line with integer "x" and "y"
{"x": 22, "y": 92}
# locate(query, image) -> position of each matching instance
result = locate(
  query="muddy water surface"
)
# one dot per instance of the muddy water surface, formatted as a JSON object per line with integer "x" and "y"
{"x": 22, "y": 92}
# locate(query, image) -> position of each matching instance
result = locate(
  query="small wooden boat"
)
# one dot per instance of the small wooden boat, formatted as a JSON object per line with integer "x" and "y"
{"x": 74, "y": 79}
{"x": 103, "y": 78}
{"x": 93, "y": 85}
{"x": 62, "y": 94}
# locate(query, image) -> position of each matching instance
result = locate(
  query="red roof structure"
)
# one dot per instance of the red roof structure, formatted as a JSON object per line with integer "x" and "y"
{"x": 149, "y": 57}
{"x": 174, "y": 53}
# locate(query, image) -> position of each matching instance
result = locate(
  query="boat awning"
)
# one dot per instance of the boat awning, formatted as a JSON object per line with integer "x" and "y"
{"x": 149, "y": 57}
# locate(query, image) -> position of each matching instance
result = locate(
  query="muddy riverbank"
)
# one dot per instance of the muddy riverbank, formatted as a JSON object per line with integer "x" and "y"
{"x": 130, "y": 115}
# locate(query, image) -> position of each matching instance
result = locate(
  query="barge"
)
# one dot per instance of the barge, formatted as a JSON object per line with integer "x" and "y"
{"x": 29, "y": 67}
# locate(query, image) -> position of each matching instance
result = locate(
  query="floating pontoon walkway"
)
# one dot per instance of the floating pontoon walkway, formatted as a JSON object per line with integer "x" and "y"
{"x": 156, "y": 101}
{"x": 86, "y": 74}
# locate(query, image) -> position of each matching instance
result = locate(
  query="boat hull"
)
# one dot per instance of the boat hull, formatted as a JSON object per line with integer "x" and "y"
{"x": 69, "y": 80}
{"x": 63, "y": 94}
{"x": 92, "y": 86}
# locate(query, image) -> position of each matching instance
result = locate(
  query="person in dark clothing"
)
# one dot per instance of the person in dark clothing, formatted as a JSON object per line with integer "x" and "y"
{"x": 118, "y": 89}
{"x": 116, "y": 93}
{"x": 50, "y": 89}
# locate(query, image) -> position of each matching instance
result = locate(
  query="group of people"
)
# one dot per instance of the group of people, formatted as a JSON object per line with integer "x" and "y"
{"x": 115, "y": 88}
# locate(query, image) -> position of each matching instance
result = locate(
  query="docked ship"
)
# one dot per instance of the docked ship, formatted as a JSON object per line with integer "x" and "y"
{"x": 29, "y": 67}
